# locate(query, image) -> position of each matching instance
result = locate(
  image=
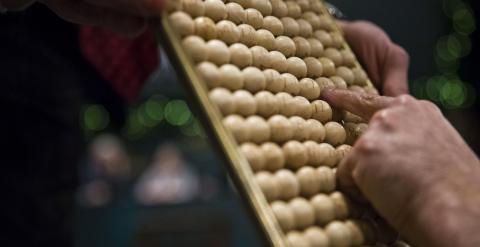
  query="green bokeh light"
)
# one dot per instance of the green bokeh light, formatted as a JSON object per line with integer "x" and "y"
{"x": 463, "y": 21}
{"x": 177, "y": 112}
{"x": 96, "y": 117}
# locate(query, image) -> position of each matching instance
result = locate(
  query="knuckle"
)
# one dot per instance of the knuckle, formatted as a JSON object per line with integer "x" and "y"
{"x": 365, "y": 145}
{"x": 401, "y": 53}
{"x": 380, "y": 117}
{"x": 430, "y": 105}
{"x": 404, "y": 99}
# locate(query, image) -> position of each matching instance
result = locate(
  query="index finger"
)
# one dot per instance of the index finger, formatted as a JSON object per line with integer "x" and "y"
{"x": 360, "y": 104}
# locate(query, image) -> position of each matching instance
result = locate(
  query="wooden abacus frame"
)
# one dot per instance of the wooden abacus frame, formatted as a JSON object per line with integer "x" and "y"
{"x": 211, "y": 118}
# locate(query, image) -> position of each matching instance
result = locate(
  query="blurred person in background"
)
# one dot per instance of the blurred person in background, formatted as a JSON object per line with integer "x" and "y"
{"x": 395, "y": 164}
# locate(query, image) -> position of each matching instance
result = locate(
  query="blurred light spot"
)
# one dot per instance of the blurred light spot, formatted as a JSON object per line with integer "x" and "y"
{"x": 177, "y": 112}
{"x": 463, "y": 21}
{"x": 96, "y": 117}
{"x": 452, "y": 94}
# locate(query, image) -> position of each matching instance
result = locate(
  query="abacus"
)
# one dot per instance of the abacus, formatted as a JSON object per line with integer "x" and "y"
{"x": 255, "y": 70}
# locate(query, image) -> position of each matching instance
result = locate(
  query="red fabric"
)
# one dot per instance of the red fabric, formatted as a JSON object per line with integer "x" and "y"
{"x": 125, "y": 63}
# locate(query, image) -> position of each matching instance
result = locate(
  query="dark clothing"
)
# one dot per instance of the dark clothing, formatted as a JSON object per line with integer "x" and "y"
{"x": 44, "y": 80}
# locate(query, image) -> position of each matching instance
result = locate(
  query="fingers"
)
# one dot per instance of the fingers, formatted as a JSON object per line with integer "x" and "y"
{"x": 87, "y": 14}
{"x": 363, "y": 105}
{"x": 143, "y": 8}
{"x": 395, "y": 71}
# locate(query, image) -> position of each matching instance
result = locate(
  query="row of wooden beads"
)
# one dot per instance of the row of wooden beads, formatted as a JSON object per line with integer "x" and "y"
{"x": 242, "y": 13}
{"x": 280, "y": 129}
{"x": 271, "y": 157}
{"x": 300, "y": 213}
{"x": 335, "y": 234}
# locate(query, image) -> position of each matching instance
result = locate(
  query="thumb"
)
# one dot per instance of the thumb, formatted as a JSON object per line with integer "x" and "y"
{"x": 360, "y": 104}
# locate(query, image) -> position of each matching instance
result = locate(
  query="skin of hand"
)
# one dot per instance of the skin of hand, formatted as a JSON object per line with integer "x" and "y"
{"x": 127, "y": 17}
{"x": 414, "y": 168}
{"x": 386, "y": 62}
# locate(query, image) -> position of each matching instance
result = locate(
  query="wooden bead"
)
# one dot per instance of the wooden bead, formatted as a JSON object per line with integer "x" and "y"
{"x": 330, "y": 160}
{"x": 302, "y": 107}
{"x": 328, "y": 67}
{"x": 274, "y": 159}
{"x": 343, "y": 151}
{"x": 236, "y": 124}
{"x": 267, "y": 104}
{"x": 205, "y": 28}
{"x": 306, "y": 29}
{"x": 285, "y": 102}
{"x": 312, "y": 18}
{"x": 273, "y": 24}
{"x": 243, "y": 3}
{"x": 360, "y": 77}
{"x": 236, "y": 13}
{"x": 324, "y": 82}
{"x": 254, "y": 18}
{"x": 314, "y": 67}
{"x": 358, "y": 238}
{"x": 339, "y": 234}
{"x": 228, "y": 32}
{"x": 324, "y": 209}
{"x": 287, "y": 184}
{"x": 303, "y": 212}
{"x": 275, "y": 83}
{"x": 321, "y": 111}
{"x": 316, "y": 130}
{"x": 346, "y": 74}
{"x": 316, "y": 237}
{"x": 296, "y": 154}
{"x": 316, "y": 6}
{"x": 339, "y": 82}
{"x": 280, "y": 128}
{"x": 292, "y": 85}
{"x": 279, "y": 8}
{"x": 268, "y": 185}
{"x": 296, "y": 67}
{"x": 264, "y": 6}
{"x": 315, "y": 157}
{"x": 294, "y": 9}
{"x": 342, "y": 205}
{"x": 240, "y": 55}
{"x": 215, "y": 9}
{"x": 327, "y": 177}
{"x": 285, "y": 45}
{"x": 334, "y": 55}
{"x": 244, "y": 103}
{"x": 296, "y": 239}
{"x": 337, "y": 40}
{"x": 323, "y": 37}
{"x": 284, "y": 215}
{"x": 259, "y": 54}
{"x": 195, "y": 47}
{"x": 356, "y": 88}
{"x": 308, "y": 180}
{"x": 258, "y": 128}
{"x": 172, "y": 6}
{"x": 303, "y": 48}
{"x": 309, "y": 89}
{"x": 304, "y": 5}
{"x": 194, "y": 8}
{"x": 254, "y": 156}
{"x": 210, "y": 74}
{"x": 326, "y": 22}
{"x": 265, "y": 38}
{"x": 254, "y": 79}
{"x": 232, "y": 77}
{"x": 223, "y": 99}
{"x": 316, "y": 47}
{"x": 276, "y": 60}
{"x": 348, "y": 58}
{"x": 335, "y": 133}
{"x": 217, "y": 52}
{"x": 300, "y": 128}
{"x": 350, "y": 131}
{"x": 247, "y": 36}
{"x": 290, "y": 26}
{"x": 182, "y": 23}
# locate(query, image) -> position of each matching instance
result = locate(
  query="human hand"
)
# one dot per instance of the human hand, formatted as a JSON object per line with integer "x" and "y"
{"x": 127, "y": 17}
{"x": 385, "y": 62}
{"x": 414, "y": 168}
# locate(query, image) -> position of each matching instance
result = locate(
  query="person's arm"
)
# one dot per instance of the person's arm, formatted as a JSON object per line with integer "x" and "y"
{"x": 414, "y": 168}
